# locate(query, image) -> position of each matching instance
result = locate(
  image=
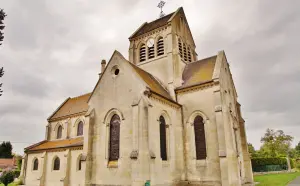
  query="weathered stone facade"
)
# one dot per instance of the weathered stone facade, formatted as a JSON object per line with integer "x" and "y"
{"x": 173, "y": 85}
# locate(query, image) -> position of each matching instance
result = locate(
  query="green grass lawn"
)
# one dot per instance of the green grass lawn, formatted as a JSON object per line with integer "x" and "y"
{"x": 275, "y": 179}
{"x": 11, "y": 184}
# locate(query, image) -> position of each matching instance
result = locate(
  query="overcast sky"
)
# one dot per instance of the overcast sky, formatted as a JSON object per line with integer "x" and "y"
{"x": 53, "y": 50}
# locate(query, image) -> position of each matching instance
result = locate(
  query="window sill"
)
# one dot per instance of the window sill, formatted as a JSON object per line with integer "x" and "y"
{"x": 165, "y": 163}
{"x": 112, "y": 164}
{"x": 201, "y": 163}
{"x": 150, "y": 60}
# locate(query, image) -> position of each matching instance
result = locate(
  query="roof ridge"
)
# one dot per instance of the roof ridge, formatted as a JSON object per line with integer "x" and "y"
{"x": 161, "y": 17}
{"x": 203, "y": 59}
{"x": 81, "y": 95}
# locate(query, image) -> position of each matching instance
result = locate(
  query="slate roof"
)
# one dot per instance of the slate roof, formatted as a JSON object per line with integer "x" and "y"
{"x": 147, "y": 27}
{"x": 152, "y": 82}
{"x": 198, "y": 72}
{"x": 47, "y": 145}
{"x": 72, "y": 106}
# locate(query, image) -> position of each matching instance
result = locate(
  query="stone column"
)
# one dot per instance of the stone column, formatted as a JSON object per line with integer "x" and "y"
{"x": 246, "y": 157}
{"x": 23, "y": 168}
{"x": 135, "y": 156}
{"x": 88, "y": 145}
{"x": 42, "y": 177}
{"x": 221, "y": 136}
{"x": 67, "y": 164}
{"x": 233, "y": 173}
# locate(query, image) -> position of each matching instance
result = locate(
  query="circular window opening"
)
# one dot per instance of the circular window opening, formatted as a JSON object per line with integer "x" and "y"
{"x": 117, "y": 71}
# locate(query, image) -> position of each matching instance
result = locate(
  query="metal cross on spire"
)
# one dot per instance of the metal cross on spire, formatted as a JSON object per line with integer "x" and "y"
{"x": 160, "y": 5}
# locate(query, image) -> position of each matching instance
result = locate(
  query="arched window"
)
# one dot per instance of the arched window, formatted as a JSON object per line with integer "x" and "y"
{"x": 200, "y": 138}
{"x": 114, "y": 138}
{"x": 35, "y": 164}
{"x": 79, "y": 162}
{"x": 80, "y": 129}
{"x": 160, "y": 46}
{"x": 184, "y": 52}
{"x": 59, "y": 132}
{"x": 163, "y": 138}
{"x": 143, "y": 53}
{"x": 56, "y": 164}
{"x": 189, "y": 55}
{"x": 180, "y": 47}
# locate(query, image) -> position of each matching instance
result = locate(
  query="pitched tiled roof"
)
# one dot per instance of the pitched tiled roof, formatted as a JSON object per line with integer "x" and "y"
{"x": 152, "y": 82}
{"x": 198, "y": 72}
{"x": 7, "y": 163}
{"x": 147, "y": 27}
{"x": 72, "y": 106}
{"x": 46, "y": 145}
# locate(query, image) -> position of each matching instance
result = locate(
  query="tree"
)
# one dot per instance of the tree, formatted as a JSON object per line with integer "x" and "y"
{"x": 275, "y": 143}
{"x": 2, "y": 16}
{"x": 7, "y": 178}
{"x": 297, "y": 148}
{"x": 6, "y": 150}
{"x": 1, "y": 74}
{"x": 252, "y": 150}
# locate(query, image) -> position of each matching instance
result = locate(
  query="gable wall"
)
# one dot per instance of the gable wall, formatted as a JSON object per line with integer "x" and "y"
{"x": 114, "y": 93}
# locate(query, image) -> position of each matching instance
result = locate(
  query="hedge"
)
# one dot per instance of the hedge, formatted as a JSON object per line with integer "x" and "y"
{"x": 269, "y": 164}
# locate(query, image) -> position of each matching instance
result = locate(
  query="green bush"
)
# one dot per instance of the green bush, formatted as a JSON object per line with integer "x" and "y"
{"x": 268, "y": 164}
{"x": 6, "y": 178}
{"x": 16, "y": 173}
{"x": 293, "y": 163}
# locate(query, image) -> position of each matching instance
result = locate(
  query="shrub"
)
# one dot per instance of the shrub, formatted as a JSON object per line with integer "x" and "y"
{"x": 16, "y": 173}
{"x": 6, "y": 178}
{"x": 269, "y": 164}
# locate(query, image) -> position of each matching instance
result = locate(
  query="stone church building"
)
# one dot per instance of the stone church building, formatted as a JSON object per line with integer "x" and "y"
{"x": 162, "y": 117}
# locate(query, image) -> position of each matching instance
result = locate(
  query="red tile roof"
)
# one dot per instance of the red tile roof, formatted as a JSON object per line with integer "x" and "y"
{"x": 72, "y": 106}
{"x": 46, "y": 145}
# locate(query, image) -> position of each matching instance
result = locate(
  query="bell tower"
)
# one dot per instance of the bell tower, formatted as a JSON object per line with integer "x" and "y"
{"x": 163, "y": 47}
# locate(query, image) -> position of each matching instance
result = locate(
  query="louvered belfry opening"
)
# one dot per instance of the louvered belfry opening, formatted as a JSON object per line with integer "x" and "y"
{"x": 184, "y": 52}
{"x": 180, "y": 47}
{"x": 200, "y": 138}
{"x": 160, "y": 46}
{"x": 143, "y": 53}
{"x": 189, "y": 55}
{"x": 163, "y": 138}
{"x": 114, "y": 141}
{"x": 151, "y": 52}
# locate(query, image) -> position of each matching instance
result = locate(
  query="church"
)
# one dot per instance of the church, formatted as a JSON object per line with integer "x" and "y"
{"x": 163, "y": 117}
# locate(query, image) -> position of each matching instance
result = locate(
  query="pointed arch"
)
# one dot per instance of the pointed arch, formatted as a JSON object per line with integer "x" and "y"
{"x": 198, "y": 120}
{"x": 79, "y": 162}
{"x": 35, "y": 164}
{"x": 114, "y": 138}
{"x": 59, "y": 132}
{"x": 163, "y": 138}
{"x": 80, "y": 128}
{"x": 56, "y": 163}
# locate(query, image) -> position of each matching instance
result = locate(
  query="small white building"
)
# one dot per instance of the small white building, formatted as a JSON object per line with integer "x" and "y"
{"x": 163, "y": 117}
